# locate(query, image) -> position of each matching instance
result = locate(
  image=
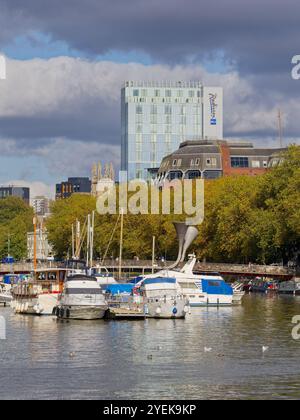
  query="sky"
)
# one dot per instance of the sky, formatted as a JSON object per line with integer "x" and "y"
{"x": 66, "y": 62}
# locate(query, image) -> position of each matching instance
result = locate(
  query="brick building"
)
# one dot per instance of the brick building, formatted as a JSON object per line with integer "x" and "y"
{"x": 211, "y": 159}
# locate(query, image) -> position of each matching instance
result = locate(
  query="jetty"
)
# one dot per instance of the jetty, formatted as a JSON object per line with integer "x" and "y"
{"x": 119, "y": 313}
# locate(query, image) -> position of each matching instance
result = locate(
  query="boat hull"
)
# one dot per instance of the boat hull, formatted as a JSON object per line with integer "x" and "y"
{"x": 210, "y": 300}
{"x": 81, "y": 312}
{"x": 289, "y": 292}
{"x": 165, "y": 310}
{"x": 41, "y": 305}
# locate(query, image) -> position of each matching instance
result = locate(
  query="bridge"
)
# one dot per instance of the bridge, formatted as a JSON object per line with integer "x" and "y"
{"x": 133, "y": 267}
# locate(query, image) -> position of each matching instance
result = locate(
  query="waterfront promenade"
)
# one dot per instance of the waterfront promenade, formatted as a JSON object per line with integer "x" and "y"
{"x": 142, "y": 266}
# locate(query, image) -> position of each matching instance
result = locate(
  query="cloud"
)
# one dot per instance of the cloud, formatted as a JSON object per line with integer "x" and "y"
{"x": 36, "y": 188}
{"x": 258, "y": 36}
{"x": 65, "y": 112}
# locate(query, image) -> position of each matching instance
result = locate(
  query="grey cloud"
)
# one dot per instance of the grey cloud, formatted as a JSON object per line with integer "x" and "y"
{"x": 259, "y": 35}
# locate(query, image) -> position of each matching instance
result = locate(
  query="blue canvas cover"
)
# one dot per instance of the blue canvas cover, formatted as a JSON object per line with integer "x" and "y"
{"x": 216, "y": 287}
{"x": 118, "y": 289}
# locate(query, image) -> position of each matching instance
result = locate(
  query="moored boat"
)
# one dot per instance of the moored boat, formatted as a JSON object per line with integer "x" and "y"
{"x": 291, "y": 287}
{"x": 38, "y": 294}
{"x": 163, "y": 298}
{"x": 81, "y": 299}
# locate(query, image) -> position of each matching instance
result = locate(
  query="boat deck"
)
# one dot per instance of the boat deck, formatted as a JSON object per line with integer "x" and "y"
{"x": 124, "y": 313}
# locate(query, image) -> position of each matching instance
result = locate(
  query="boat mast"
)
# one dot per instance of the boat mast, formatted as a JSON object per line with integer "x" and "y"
{"x": 153, "y": 253}
{"x": 88, "y": 237}
{"x": 121, "y": 244}
{"x": 92, "y": 239}
{"x": 34, "y": 244}
{"x": 73, "y": 243}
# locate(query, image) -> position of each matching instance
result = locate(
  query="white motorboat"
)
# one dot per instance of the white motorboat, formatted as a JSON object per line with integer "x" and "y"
{"x": 5, "y": 294}
{"x": 82, "y": 299}
{"x": 238, "y": 293}
{"x": 291, "y": 287}
{"x": 198, "y": 289}
{"x": 163, "y": 298}
{"x": 206, "y": 289}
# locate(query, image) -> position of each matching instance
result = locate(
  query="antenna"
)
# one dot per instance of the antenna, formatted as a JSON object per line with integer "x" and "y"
{"x": 280, "y": 129}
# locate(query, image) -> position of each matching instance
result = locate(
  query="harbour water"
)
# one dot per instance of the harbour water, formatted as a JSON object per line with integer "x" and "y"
{"x": 43, "y": 358}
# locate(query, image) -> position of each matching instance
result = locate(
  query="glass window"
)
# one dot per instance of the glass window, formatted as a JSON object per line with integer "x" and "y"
{"x": 197, "y": 161}
{"x": 240, "y": 162}
{"x": 174, "y": 162}
{"x": 214, "y": 283}
{"x": 168, "y": 93}
{"x": 255, "y": 164}
{"x": 168, "y": 109}
{"x": 193, "y": 174}
{"x": 135, "y": 92}
{"x": 168, "y": 119}
{"x": 175, "y": 175}
{"x": 157, "y": 93}
{"x": 139, "y": 109}
{"x": 191, "y": 93}
{"x": 144, "y": 92}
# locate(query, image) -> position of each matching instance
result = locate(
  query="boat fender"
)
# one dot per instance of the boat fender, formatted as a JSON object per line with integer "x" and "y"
{"x": 68, "y": 313}
{"x": 57, "y": 311}
{"x": 61, "y": 313}
{"x": 158, "y": 310}
{"x": 54, "y": 311}
{"x": 175, "y": 311}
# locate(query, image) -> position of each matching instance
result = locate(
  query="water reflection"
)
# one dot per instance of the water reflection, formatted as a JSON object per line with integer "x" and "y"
{"x": 46, "y": 358}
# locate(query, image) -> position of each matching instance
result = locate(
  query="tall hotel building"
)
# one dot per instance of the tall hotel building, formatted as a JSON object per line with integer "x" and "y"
{"x": 158, "y": 116}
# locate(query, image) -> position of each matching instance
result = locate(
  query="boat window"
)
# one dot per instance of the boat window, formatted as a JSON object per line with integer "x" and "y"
{"x": 214, "y": 283}
{"x": 62, "y": 275}
{"x": 41, "y": 276}
{"x": 52, "y": 275}
{"x": 83, "y": 291}
{"x": 185, "y": 285}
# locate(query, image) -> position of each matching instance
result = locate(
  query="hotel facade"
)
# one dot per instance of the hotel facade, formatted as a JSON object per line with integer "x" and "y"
{"x": 157, "y": 116}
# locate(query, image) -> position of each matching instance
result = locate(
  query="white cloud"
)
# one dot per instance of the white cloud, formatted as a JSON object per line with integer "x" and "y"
{"x": 79, "y": 95}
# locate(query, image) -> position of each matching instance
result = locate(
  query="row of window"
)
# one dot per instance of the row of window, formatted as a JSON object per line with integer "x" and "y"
{"x": 168, "y": 93}
{"x": 243, "y": 162}
{"x": 168, "y": 109}
{"x": 210, "y": 161}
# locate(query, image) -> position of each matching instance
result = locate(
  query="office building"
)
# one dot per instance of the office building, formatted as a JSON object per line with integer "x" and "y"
{"x": 78, "y": 185}
{"x": 12, "y": 191}
{"x": 210, "y": 159}
{"x": 157, "y": 117}
{"x": 41, "y": 205}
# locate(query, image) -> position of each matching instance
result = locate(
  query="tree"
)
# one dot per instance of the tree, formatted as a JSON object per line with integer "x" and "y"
{"x": 15, "y": 221}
